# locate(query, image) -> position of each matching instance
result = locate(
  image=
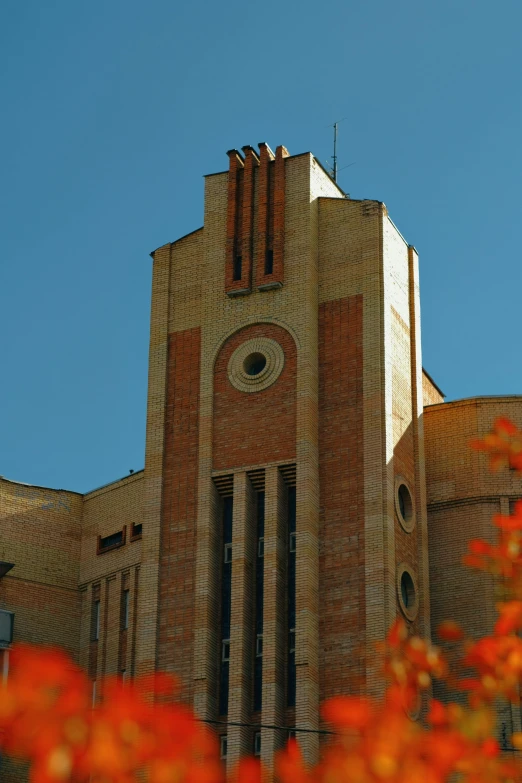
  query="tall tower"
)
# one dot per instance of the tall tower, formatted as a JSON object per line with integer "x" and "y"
{"x": 284, "y": 499}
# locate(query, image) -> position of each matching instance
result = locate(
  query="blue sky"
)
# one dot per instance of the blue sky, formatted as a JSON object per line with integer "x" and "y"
{"x": 114, "y": 111}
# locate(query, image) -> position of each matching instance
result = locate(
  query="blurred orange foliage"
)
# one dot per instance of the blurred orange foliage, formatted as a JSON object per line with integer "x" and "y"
{"x": 138, "y": 733}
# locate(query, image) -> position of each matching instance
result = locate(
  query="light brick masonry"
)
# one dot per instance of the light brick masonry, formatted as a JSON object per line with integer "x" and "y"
{"x": 132, "y": 577}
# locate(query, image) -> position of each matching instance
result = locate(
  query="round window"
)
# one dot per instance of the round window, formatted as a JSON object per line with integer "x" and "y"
{"x": 254, "y": 363}
{"x": 407, "y": 591}
{"x": 404, "y": 505}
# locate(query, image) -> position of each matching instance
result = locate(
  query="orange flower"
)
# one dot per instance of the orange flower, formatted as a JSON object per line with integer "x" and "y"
{"x": 450, "y": 631}
{"x": 503, "y": 444}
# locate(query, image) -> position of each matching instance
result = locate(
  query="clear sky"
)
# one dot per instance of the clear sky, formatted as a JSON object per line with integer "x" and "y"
{"x": 112, "y": 113}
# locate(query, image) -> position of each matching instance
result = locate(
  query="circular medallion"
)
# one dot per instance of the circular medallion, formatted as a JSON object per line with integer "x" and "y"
{"x": 256, "y": 364}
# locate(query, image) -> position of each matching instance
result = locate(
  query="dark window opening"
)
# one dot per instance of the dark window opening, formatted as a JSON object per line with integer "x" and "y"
{"x": 254, "y": 363}
{"x": 226, "y": 605}
{"x": 238, "y": 267}
{"x": 291, "y": 672}
{"x": 269, "y": 262}
{"x": 95, "y": 621}
{"x": 125, "y": 604}
{"x": 407, "y": 590}
{"x": 136, "y": 531}
{"x": 113, "y": 541}
{"x": 223, "y": 747}
{"x": 258, "y": 614}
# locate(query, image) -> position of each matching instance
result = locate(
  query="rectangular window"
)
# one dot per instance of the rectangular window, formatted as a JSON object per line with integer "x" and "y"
{"x": 259, "y": 646}
{"x": 238, "y": 267}
{"x": 225, "y": 650}
{"x": 136, "y": 532}
{"x": 93, "y": 701}
{"x": 292, "y": 542}
{"x": 269, "y": 262}
{"x": 291, "y": 641}
{"x": 227, "y": 557}
{"x": 261, "y": 547}
{"x": 257, "y": 743}
{"x": 95, "y": 621}
{"x": 223, "y": 747}
{"x": 125, "y": 610}
{"x": 114, "y": 541}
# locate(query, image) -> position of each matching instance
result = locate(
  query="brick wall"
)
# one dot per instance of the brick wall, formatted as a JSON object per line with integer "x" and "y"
{"x": 104, "y": 575}
{"x": 462, "y": 497}
{"x": 258, "y": 428}
{"x": 179, "y": 509}
{"x": 342, "y": 609}
{"x": 40, "y": 533}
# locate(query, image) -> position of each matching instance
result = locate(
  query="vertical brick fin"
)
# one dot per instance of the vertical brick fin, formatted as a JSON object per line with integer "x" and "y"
{"x": 276, "y": 225}
{"x": 277, "y": 276}
{"x": 247, "y": 216}
{"x": 241, "y": 624}
{"x": 264, "y": 242}
{"x": 274, "y": 614}
{"x": 234, "y": 244}
{"x": 342, "y": 577}
{"x": 179, "y": 510}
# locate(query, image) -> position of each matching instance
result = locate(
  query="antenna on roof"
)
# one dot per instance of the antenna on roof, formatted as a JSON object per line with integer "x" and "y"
{"x": 334, "y": 158}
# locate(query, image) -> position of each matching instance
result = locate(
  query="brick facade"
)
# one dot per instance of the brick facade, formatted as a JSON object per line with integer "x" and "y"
{"x": 328, "y": 423}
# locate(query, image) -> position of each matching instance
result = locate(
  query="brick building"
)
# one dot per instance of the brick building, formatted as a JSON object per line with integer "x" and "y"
{"x": 304, "y": 479}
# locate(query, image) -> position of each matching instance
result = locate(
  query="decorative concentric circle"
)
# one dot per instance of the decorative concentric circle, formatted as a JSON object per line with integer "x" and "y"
{"x": 256, "y": 364}
{"x": 407, "y": 591}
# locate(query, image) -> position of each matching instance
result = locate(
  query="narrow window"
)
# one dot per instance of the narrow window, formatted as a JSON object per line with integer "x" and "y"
{"x": 225, "y": 650}
{"x": 95, "y": 634}
{"x": 223, "y": 747}
{"x": 291, "y": 734}
{"x": 93, "y": 693}
{"x": 136, "y": 531}
{"x": 291, "y": 670}
{"x": 258, "y": 605}
{"x": 257, "y": 743}
{"x": 238, "y": 267}
{"x": 226, "y": 605}
{"x": 269, "y": 262}
{"x": 125, "y": 610}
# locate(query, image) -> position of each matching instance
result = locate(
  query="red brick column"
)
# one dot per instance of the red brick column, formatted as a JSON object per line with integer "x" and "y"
{"x": 276, "y": 216}
{"x": 247, "y": 232}
{"x": 264, "y": 239}
{"x": 234, "y": 241}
